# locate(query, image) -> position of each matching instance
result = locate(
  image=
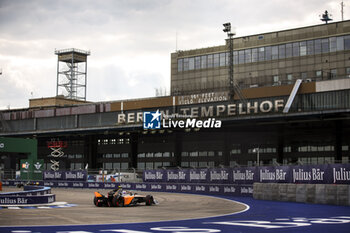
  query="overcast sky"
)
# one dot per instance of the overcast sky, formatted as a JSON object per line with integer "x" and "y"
{"x": 130, "y": 40}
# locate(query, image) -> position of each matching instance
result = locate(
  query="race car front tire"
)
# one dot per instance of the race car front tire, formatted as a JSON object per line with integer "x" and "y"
{"x": 118, "y": 202}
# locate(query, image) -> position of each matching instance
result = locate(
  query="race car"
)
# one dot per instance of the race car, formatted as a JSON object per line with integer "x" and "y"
{"x": 120, "y": 198}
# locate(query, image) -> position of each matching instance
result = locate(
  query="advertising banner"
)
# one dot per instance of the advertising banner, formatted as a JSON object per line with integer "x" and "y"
{"x": 281, "y": 174}
{"x": 220, "y": 176}
{"x": 340, "y": 174}
{"x": 26, "y": 200}
{"x": 177, "y": 176}
{"x": 244, "y": 175}
{"x": 200, "y": 188}
{"x": 65, "y": 175}
{"x": 198, "y": 176}
{"x": 154, "y": 176}
{"x": 304, "y": 174}
{"x": 312, "y": 174}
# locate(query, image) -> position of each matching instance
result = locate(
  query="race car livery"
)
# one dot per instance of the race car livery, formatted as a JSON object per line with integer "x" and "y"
{"x": 121, "y": 198}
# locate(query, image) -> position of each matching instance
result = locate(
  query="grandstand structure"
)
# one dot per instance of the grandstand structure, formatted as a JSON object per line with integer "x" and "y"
{"x": 293, "y": 108}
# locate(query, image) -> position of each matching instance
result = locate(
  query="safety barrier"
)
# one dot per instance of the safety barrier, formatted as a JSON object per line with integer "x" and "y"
{"x": 307, "y": 193}
{"x": 217, "y": 189}
{"x": 31, "y": 195}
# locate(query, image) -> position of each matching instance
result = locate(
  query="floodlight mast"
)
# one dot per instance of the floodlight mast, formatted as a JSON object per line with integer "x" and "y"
{"x": 72, "y": 73}
{"x": 227, "y": 29}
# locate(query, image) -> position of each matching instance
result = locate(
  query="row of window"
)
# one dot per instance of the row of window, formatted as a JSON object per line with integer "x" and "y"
{"x": 115, "y": 166}
{"x": 315, "y": 148}
{"x": 289, "y": 149}
{"x": 152, "y": 165}
{"x": 113, "y": 141}
{"x": 201, "y": 164}
{"x": 262, "y": 150}
{"x": 266, "y": 53}
{"x": 115, "y": 155}
{"x": 72, "y": 166}
{"x": 200, "y": 153}
{"x": 212, "y": 153}
{"x": 156, "y": 155}
{"x": 288, "y": 161}
{"x": 75, "y": 156}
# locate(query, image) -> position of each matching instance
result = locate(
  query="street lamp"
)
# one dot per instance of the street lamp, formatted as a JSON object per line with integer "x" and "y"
{"x": 227, "y": 29}
{"x": 256, "y": 150}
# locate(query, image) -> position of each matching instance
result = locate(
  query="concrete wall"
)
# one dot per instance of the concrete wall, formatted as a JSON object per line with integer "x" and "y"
{"x": 306, "y": 193}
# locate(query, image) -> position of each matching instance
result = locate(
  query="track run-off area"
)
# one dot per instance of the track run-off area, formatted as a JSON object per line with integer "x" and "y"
{"x": 178, "y": 213}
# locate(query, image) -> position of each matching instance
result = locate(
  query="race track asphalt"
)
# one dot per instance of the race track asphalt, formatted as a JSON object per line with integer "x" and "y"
{"x": 172, "y": 206}
{"x": 203, "y": 214}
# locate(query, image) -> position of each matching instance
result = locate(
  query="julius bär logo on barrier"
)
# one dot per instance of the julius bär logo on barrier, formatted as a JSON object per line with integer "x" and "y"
{"x": 151, "y": 120}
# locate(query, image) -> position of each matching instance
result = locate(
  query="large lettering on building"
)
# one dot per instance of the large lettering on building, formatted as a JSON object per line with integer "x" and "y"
{"x": 218, "y": 110}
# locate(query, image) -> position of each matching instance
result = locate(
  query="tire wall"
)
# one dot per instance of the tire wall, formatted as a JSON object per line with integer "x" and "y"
{"x": 306, "y": 193}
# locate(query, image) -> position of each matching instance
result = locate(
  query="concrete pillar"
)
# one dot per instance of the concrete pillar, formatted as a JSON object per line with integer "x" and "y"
{"x": 90, "y": 150}
{"x": 338, "y": 141}
{"x": 178, "y": 148}
{"x": 280, "y": 145}
{"x": 227, "y": 147}
{"x": 134, "y": 149}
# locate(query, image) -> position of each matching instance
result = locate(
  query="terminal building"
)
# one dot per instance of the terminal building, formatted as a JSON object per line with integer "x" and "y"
{"x": 290, "y": 105}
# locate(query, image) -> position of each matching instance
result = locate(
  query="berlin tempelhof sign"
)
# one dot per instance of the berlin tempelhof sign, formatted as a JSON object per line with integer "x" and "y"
{"x": 211, "y": 112}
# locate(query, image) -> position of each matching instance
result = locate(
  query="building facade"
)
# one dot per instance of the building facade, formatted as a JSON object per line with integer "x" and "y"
{"x": 312, "y": 53}
{"x": 296, "y": 109}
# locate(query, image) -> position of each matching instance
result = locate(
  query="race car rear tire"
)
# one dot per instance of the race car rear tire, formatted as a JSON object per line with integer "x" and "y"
{"x": 98, "y": 204}
{"x": 149, "y": 200}
{"x": 118, "y": 202}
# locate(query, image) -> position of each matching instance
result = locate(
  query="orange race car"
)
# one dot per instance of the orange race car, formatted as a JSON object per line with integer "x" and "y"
{"x": 120, "y": 198}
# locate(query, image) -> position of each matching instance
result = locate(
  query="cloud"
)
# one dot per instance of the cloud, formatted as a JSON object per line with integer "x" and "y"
{"x": 130, "y": 40}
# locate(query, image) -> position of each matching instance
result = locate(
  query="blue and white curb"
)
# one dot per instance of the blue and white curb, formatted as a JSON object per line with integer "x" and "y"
{"x": 46, "y": 206}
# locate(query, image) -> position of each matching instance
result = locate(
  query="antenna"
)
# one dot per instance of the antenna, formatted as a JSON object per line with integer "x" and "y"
{"x": 342, "y": 10}
{"x": 176, "y": 42}
{"x": 325, "y": 17}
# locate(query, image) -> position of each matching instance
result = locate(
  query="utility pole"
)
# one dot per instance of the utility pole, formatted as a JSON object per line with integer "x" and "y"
{"x": 227, "y": 29}
{"x": 342, "y": 10}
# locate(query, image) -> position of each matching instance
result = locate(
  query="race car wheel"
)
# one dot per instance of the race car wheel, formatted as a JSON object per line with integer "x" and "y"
{"x": 149, "y": 200}
{"x": 118, "y": 202}
{"x": 97, "y": 203}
